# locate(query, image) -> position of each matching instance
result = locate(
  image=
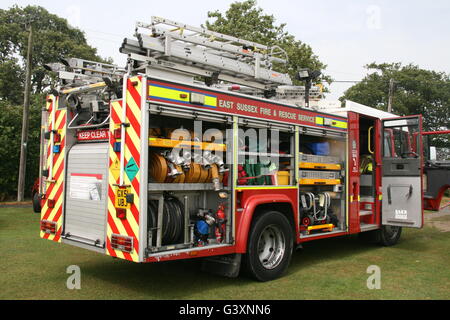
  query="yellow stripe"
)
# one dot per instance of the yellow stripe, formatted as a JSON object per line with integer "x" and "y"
{"x": 59, "y": 119}
{"x": 169, "y": 94}
{"x": 210, "y": 101}
{"x": 117, "y": 221}
{"x": 177, "y": 95}
{"x": 335, "y": 123}
{"x": 133, "y": 106}
{"x": 134, "y": 225}
{"x": 56, "y": 166}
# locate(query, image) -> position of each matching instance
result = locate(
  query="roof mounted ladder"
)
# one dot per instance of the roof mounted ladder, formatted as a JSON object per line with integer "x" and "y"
{"x": 200, "y": 52}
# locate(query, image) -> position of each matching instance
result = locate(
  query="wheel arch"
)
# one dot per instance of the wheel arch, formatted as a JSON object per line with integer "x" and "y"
{"x": 257, "y": 205}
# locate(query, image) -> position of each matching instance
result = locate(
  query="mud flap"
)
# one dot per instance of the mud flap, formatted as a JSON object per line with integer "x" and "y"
{"x": 226, "y": 266}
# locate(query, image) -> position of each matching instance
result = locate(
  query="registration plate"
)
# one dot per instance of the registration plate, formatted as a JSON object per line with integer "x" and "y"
{"x": 121, "y": 198}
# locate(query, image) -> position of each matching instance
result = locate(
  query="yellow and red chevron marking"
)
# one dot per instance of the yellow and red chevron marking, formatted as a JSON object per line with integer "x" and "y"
{"x": 130, "y": 225}
{"x": 55, "y": 185}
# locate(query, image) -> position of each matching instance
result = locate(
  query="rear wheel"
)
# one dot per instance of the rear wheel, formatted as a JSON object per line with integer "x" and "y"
{"x": 270, "y": 246}
{"x": 36, "y": 203}
{"x": 386, "y": 235}
{"x": 389, "y": 235}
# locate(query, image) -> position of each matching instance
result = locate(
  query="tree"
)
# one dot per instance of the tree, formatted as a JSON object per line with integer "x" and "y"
{"x": 54, "y": 39}
{"x": 417, "y": 91}
{"x": 247, "y": 21}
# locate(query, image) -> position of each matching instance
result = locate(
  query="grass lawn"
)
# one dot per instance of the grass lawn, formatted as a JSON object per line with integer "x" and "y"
{"x": 31, "y": 268}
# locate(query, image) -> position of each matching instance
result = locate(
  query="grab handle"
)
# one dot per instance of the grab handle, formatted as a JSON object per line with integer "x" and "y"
{"x": 369, "y": 143}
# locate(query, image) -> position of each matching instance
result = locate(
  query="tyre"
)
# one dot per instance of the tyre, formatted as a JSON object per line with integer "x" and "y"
{"x": 389, "y": 235}
{"x": 270, "y": 246}
{"x": 386, "y": 236}
{"x": 36, "y": 203}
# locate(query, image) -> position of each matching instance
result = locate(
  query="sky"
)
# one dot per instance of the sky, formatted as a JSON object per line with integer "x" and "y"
{"x": 345, "y": 35}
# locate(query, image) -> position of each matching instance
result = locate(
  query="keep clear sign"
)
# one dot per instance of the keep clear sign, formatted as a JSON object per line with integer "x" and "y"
{"x": 86, "y": 186}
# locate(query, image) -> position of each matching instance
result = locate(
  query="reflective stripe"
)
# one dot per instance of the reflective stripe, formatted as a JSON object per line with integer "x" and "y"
{"x": 55, "y": 187}
{"x": 128, "y": 227}
{"x": 334, "y": 123}
{"x": 171, "y": 94}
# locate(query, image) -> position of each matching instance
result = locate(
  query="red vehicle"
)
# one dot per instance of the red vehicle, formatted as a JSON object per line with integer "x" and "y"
{"x": 35, "y": 196}
{"x": 147, "y": 164}
{"x": 437, "y": 177}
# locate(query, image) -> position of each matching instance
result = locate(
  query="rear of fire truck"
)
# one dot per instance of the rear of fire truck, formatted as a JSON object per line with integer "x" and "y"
{"x": 141, "y": 180}
{"x": 75, "y": 152}
{"x": 148, "y": 163}
{"x": 120, "y": 181}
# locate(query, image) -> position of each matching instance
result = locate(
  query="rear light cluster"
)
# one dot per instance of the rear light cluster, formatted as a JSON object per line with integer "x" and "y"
{"x": 51, "y": 203}
{"x": 122, "y": 243}
{"x": 48, "y": 226}
{"x": 121, "y": 213}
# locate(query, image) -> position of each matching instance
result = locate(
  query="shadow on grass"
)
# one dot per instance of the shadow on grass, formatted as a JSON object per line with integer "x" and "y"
{"x": 164, "y": 280}
{"x": 179, "y": 279}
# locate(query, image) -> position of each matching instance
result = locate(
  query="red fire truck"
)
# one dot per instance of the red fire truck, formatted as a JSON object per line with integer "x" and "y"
{"x": 199, "y": 149}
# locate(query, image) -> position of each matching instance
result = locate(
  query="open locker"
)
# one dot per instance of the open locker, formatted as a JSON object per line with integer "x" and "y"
{"x": 189, "y": 198}
{"x": 321, "y": 183}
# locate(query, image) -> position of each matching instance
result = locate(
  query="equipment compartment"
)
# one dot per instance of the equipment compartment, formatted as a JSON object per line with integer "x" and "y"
{"x": 189, "y": 203}
{"x": 321, "y": 185}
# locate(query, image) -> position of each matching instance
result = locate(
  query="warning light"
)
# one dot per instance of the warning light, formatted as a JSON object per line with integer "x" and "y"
{"x": 56, "y": 149}
{"x": 117, "y": 147}
{"x": 57, "y": 138}
{"x": 121, "y": 213}
{"x": 118, "y": 134}
{"x": 51, "y": 203}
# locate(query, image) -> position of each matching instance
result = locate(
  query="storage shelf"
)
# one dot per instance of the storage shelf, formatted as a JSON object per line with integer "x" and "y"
{"x": 320, "y": 182}
{"x": 262, "y": 154}
{"x": 320, "y": 166}
{"x": 309, "y": 161}
{"x": 180, "y": 187}
{"x": 168, "y": 143}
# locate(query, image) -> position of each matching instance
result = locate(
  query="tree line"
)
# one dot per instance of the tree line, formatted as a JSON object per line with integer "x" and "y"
{"x": 418, "y": 91}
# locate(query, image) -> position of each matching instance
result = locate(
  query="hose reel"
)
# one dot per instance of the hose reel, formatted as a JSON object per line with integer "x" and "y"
{"x": 173, "y": 167}
{"x": 316, "y": 209}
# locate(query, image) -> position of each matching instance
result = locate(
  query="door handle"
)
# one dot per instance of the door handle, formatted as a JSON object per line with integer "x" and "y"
{"x": 408, "y": 195}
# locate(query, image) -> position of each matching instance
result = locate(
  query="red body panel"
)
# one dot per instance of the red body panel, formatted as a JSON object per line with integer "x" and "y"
{"x": 435, "y": 204}
{"x": 250, "y": 200}
{"x": 238, "y": 105}
{"x": 193, "y": 254}
{"x": 353, "y": 172}
{"x": 378, "y": 172}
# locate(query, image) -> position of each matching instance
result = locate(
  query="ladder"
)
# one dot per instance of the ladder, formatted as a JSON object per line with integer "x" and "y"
{"x": 199, "y": 52}
{"x": 286, "y": 94}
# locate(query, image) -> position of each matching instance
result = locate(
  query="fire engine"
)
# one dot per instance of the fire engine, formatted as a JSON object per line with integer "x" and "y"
{"x": 198, "y": 148}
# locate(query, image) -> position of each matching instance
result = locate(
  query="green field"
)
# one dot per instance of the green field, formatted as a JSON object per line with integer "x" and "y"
{"x": 31, "y": 268}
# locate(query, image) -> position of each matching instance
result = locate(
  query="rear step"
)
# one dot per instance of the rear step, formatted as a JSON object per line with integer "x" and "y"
{"x": 368, "y": 227}
{"x": 365, "y": 213}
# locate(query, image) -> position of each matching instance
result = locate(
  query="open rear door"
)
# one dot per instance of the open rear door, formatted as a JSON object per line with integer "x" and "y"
{"x": 402, "y": 172}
